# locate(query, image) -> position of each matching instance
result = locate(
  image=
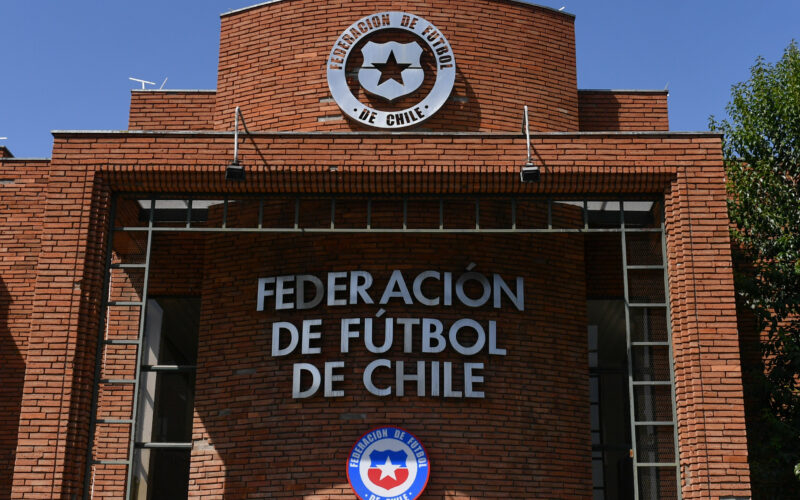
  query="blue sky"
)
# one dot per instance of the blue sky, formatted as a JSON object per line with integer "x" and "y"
{"x": 65, "y": 65}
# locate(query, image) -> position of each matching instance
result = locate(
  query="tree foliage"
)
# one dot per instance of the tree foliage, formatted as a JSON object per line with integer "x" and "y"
{"x": 762, "y": 151}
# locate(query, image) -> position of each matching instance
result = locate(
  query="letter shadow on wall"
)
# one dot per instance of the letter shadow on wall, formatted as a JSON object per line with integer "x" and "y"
{"x": 12, "y": 378}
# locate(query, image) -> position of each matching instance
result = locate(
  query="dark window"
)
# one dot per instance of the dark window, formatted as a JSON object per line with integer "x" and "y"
{"x": 166, "y": 399}
{"x": 612, "y": 465}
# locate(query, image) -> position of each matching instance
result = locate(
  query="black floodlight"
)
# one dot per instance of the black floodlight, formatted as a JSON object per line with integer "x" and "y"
{"x": 234, "y": 172}
{"x": 529, "y": 173}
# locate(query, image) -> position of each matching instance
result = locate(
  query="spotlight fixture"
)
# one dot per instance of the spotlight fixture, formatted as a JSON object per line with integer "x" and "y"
{"x": 529, "y": 172}
{"x": 234, "y": 172}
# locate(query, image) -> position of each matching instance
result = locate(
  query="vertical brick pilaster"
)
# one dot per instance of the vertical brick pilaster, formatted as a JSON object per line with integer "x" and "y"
{"x": 54, "y": 409}
{"x": 20, "y": 229}
{"x": 710, "y": 409}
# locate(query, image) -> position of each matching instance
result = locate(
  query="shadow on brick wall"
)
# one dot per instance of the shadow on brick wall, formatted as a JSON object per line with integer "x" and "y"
{"x": 464, "y": 109}
{"x": 599, "y": 112}
{"x": 12, "y": 377}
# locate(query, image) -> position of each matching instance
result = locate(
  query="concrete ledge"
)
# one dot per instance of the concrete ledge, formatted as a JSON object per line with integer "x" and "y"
{"x": 222, "y": 133}
{"x": 528, "y": 4}
{"x": 625, "y": 91}
{"x": 179, "y": 91}
{"x": 8, "y": 160}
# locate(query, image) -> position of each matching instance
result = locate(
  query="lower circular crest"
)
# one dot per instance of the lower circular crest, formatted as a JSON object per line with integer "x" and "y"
{"x": 387, "y": 463}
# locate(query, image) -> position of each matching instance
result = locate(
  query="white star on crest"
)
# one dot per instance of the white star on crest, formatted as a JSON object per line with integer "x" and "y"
{"x": 387, "y": 469}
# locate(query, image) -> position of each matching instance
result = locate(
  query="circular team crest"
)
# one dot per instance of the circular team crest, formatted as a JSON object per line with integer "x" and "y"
{"x": 392, "y": 69}
{"x": 388, "y": 463}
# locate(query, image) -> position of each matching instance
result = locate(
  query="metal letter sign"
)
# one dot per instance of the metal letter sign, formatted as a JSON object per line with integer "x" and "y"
{"x": 388, "y": 463}
{"x": 391, "y": 70}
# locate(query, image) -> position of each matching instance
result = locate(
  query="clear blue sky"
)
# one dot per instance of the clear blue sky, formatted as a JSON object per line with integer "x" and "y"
{"x": 65, "y": 65}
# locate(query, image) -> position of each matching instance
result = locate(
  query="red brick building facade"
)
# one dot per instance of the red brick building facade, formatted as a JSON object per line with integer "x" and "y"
{"x": 132, "y": 339}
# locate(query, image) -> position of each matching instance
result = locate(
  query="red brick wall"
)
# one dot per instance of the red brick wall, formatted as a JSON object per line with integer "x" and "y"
{"x": 177, "y": 266}
{"x": 21, "y": 204}
{"x": 171, "y": 110}
{"x": 652, "y": 156}
{"x": 228, "y": 345}
{"x": 244, "y": 409}
{"x": 687, "y": 168}
{"x": 607, "y": 110}
{"x": 604, "y": 276}
{"x": 508, "y": 54}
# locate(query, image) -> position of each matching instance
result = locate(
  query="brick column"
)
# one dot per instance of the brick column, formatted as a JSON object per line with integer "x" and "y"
{"x": 20, "y": 230}
{"x": 61, "y": 345}
{"x": 711, "y": 423}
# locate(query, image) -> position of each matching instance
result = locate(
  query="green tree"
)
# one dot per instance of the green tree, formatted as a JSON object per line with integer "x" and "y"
{"x": 762, "y": 152}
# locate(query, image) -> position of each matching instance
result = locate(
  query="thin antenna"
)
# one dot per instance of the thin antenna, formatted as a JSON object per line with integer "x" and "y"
{"x": 143, "y": 82}
{"x": 163, "y": 83}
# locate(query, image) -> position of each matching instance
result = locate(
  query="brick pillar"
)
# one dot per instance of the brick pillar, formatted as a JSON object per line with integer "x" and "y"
{"x": 60, "y": 355}
{"x": 711, "y": 423}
